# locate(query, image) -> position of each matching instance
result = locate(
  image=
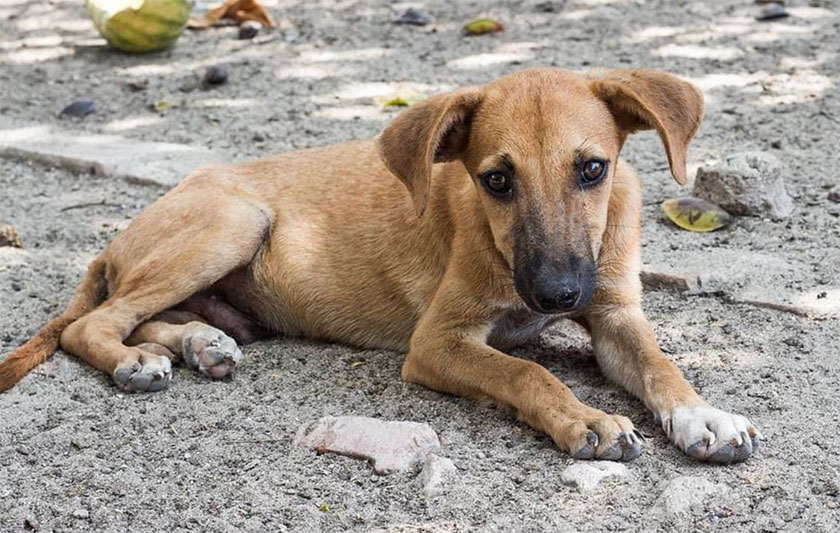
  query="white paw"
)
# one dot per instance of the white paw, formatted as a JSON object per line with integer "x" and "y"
{"x": 709, "y": 434}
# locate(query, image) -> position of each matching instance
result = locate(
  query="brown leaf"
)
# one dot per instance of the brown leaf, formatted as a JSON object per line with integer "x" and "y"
{"x": 238, "y": 10}
{"x": 9, "y": 237}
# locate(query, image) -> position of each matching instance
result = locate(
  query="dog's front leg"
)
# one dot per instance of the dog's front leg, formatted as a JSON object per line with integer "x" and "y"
{"x": 627, "y": 352}
{"x": 449, "y": 354}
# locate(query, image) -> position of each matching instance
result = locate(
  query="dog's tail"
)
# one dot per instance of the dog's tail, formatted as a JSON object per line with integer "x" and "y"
{"x": 89, "y": 295}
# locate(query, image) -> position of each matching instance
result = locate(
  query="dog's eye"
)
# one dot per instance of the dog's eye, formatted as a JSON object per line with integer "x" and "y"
{"x": 592, "y": 170}
{"x": 497, "y": 183}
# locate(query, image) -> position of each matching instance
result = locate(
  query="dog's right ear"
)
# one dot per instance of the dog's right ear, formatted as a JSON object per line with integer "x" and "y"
{"x": 429, "y": 132}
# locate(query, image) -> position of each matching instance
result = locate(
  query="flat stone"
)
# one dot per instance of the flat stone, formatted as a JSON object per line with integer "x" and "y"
{"x": 391, "y": 446}
{"x": 437, "y": 471}
{"x": 686, "y": 494}
{"x": 742, "y": 276}
{"x": 105, "y": 155}
{"x": 589, "y": 475}
{"x": 746, "y": 183}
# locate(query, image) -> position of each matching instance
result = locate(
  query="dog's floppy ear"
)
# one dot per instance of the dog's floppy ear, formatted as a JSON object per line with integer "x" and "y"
{"x": 429, "y": 132}
{"x": 646, "y": 99}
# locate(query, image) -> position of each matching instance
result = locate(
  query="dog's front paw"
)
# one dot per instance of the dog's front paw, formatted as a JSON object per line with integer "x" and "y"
{"x": 709, "y": 434}
{"x": 602, "y": 436}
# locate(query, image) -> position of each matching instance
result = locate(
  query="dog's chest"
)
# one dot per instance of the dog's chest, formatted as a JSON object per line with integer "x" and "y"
{"x": 518, "y": 326}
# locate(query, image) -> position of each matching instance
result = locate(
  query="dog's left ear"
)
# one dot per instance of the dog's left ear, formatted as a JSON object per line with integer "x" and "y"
{"x": 429, "y": 132}
{"x": 646, "y": 99}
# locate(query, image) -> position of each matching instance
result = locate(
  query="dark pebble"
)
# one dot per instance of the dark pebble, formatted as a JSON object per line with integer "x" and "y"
{"x": 138, "y": 85}
{"x": 249, "y": 29}
{"x": 215, "y": 75}
{"x": 547, "y": 7}
{"x": 834, "y": 196}
{"x": 79, "y": 108}
{"x": 772, "y": 12}
{"x": 414, "y": 16}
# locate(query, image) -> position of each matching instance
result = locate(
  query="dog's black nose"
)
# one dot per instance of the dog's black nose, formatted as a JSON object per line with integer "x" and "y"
{"x": 568, "y": 297}
{"x": 558, "y": 295}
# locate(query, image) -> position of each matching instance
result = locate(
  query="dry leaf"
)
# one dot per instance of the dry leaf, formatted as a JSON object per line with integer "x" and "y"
{"x": 482, "y": 26}
{"x": 162, "y": 105}
{"x": 695, "y": 214}
{"x": 238, "y": 10}
{"x": 9, "y": 237}
{"x": 402, "y": 98}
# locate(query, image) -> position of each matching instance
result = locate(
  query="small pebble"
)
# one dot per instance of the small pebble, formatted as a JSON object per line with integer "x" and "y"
{"x": 547, "y": 7}
{"x": 249, "y": 29}
{"x": 834, "y": 196}
{"x": 138, "y": 85}
{"x": 79, "y": 109}
{"x": 215, "y": 75}
{"x": 81, "y": 513}
{"x": 772, "y": 11}
{"x": 414, "y": 16}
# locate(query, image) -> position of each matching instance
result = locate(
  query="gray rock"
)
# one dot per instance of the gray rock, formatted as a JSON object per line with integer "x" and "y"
{"x": 746, "y": 183}
{"x": 685, "y": 494}
{"x": 436, "y": 472}
{"x": 389, "y": 445}
{"x": 81, "y": 513}
{"x": 587, "y": 476}
{"x": 414, "y": 16}
{"x": 105, "y": 155}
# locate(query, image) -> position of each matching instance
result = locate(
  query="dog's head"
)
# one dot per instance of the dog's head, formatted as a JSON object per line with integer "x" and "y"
{"x": 541, "y": 147}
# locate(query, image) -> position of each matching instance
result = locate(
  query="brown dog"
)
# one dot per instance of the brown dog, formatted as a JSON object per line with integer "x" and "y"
{"x": 520, "y": 213}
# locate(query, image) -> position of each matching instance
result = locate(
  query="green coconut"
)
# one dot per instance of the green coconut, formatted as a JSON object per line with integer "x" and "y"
{"x": 140, "y": 26}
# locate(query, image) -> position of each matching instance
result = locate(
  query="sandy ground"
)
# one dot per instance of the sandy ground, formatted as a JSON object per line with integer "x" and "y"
{"x": 77, "y": 455}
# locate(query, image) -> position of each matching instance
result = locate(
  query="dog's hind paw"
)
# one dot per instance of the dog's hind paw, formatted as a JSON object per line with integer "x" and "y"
{"x": 211, "y": 352}
{"x": 148, "y": 373}
{"x": 709, "y": 434}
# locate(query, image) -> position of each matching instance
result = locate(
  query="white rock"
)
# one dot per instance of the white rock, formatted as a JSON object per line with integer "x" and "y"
{"x": 587, "y": 476}
{"x": 389, "y": 445}
{"x": 436, "y": 472}
{"x": 81, "y": 513}
{"x": 685, "y": 494}
{"x": 746, "y": 183}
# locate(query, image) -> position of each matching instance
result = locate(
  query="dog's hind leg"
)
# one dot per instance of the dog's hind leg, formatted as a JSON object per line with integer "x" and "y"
{"x": 202, "y": 347}
{"x": 180, "y": 245}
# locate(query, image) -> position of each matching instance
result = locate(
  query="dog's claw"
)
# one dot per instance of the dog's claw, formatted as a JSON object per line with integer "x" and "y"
{"x": 626, "y": 448}
{"x": 639, "y": 435}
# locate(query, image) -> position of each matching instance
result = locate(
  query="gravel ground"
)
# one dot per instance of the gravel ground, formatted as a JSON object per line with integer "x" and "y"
{"x": 77, "y": 455}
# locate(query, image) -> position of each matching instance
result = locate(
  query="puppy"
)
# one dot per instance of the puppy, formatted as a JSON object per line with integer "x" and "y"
{"x": 476, "y": 219}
